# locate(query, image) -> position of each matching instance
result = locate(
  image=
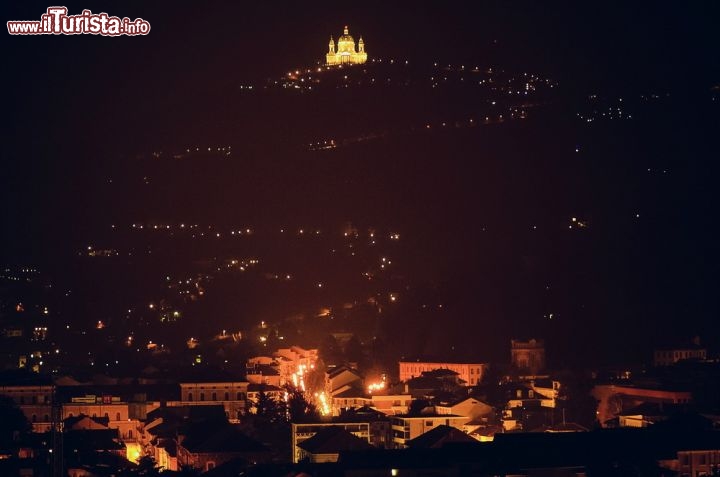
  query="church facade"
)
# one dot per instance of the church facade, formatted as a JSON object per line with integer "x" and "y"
{"x": 346, "y": 52}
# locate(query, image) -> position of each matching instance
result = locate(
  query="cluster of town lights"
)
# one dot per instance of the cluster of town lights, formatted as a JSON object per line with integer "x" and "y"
{"x": 298, "y": 377}
{"x": 324, "y": 406}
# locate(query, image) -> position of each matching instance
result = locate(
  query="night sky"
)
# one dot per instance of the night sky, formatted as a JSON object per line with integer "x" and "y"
{"x": 82, "y": 109}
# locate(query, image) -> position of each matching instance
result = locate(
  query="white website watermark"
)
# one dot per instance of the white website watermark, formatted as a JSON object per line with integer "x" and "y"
{"x": 56, "y": 21}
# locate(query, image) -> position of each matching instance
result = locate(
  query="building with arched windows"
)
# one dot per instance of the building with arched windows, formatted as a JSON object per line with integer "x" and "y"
{"x": 528, "y": 357}
{"x": 346, "y": 52}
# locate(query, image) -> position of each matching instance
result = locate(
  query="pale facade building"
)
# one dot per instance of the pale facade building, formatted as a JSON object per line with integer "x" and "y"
{"x": 232, "y": 395}
{"x": 35, "y": 401}
{"x": 471, "y": 373}
{"x": 405, "y": 428}
{"x": 670, "y": 356}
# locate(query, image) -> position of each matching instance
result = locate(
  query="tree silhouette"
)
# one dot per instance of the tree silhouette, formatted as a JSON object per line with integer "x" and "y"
{"x": 269, "y": 408}
{"x": 354, "y": 351}
{"x": 329, "y": 351}
{"x": 146, "y": 467}
{"x": 13, "y": 422}
{"x": 417, "y": 406}
{"x": 185, "y": 471}
{"x": 299, "y": 408}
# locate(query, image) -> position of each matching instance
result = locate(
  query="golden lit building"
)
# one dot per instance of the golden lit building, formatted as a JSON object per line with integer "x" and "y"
{"x": 346, "y": 52}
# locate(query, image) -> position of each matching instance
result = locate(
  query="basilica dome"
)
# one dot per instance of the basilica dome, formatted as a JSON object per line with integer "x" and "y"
{"x": 346, "y": 52}
{"x": 346, "y": 36}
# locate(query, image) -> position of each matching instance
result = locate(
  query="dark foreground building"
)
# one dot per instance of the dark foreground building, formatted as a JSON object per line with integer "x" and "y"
{"x": 672, "y": 450}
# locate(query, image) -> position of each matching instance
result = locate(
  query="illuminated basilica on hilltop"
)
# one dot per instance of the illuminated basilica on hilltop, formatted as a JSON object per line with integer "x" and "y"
{"x": 346, "y": 52}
